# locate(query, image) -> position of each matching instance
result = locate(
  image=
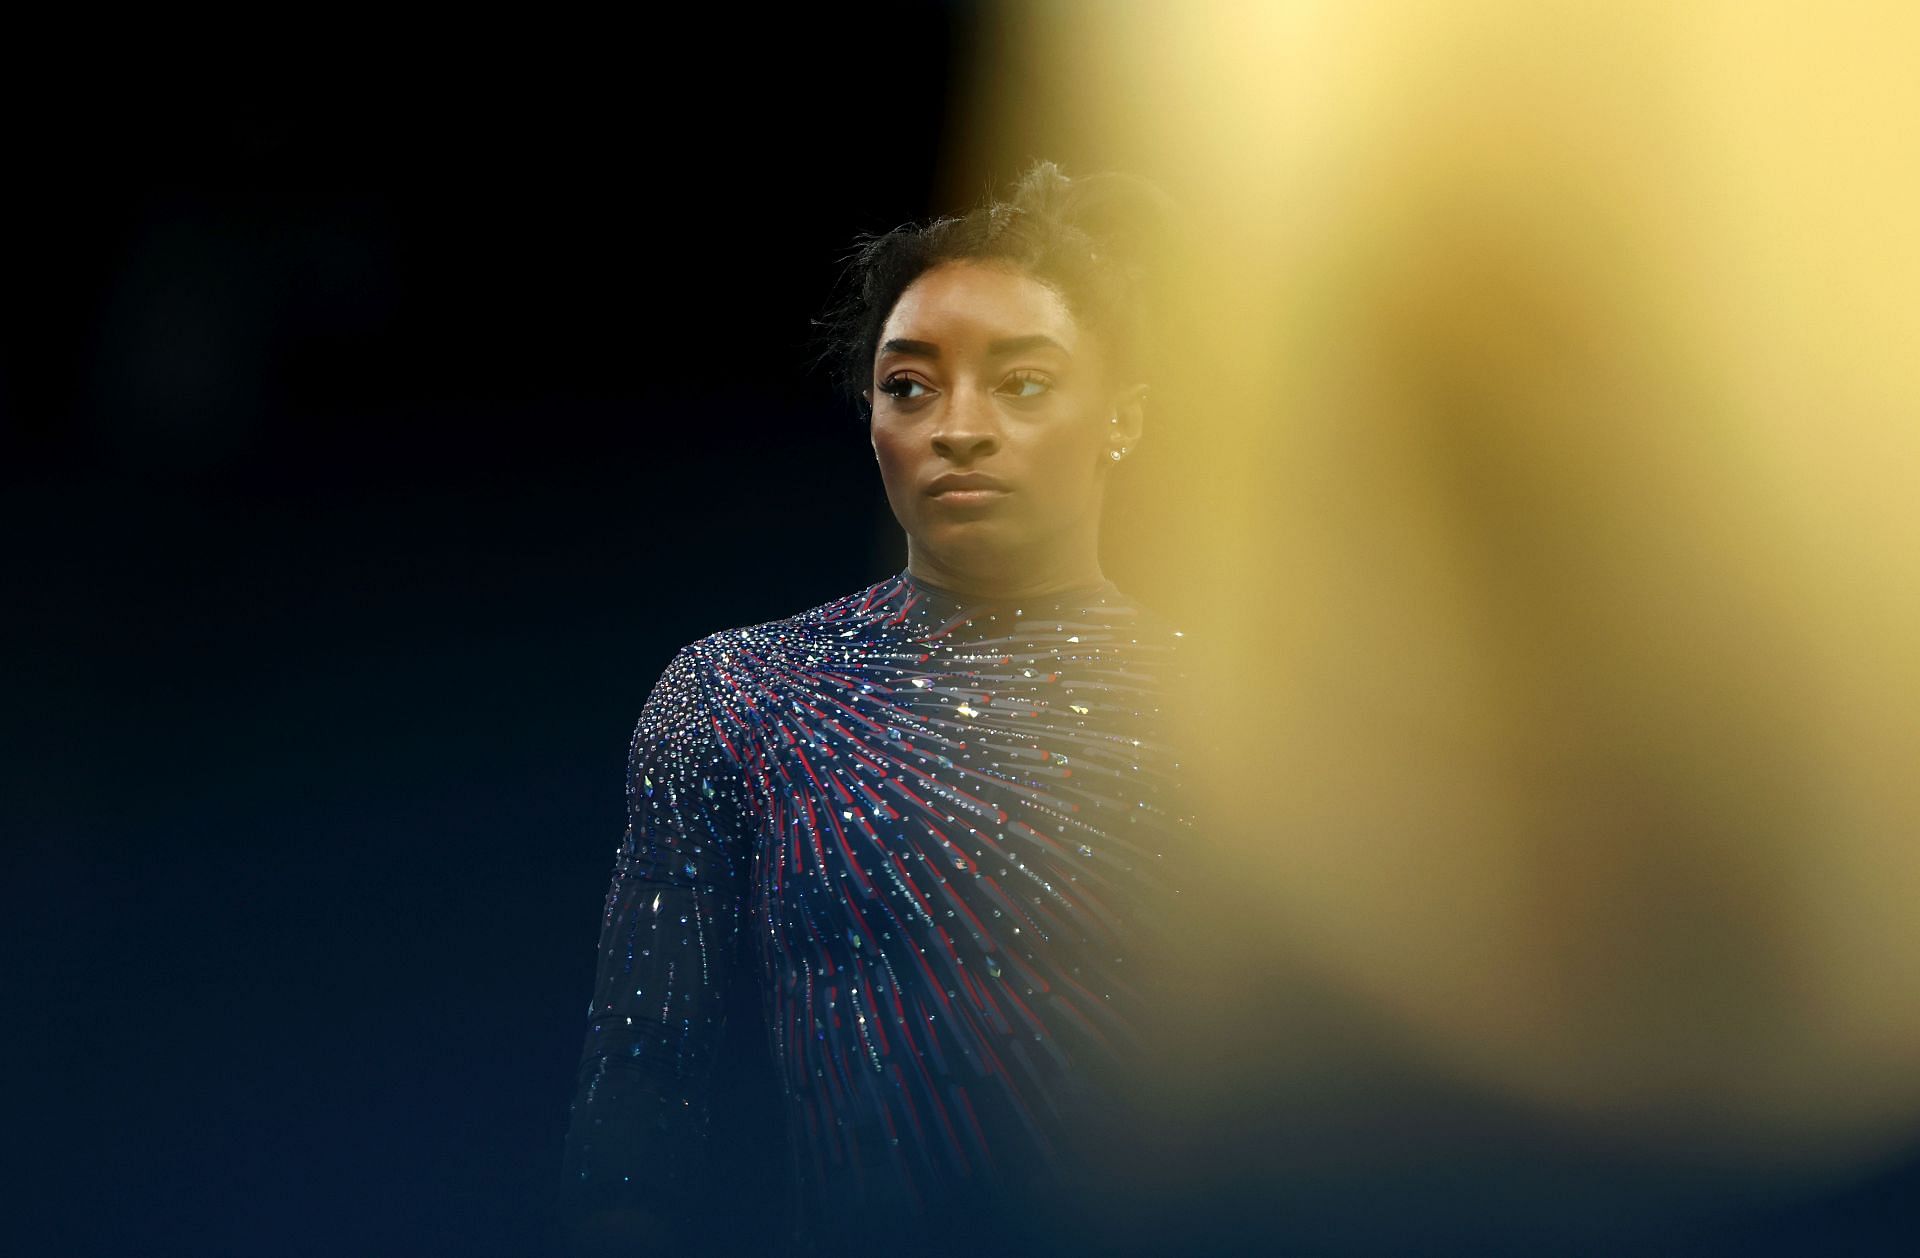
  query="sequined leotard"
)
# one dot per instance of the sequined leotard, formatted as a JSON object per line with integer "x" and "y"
{"x": 936, "y": 834}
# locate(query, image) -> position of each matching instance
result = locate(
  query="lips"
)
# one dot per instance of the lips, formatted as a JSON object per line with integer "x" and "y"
{"x": 965, "y": 482}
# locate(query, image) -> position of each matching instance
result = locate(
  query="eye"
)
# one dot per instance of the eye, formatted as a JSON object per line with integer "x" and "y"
{"x": 1029, "y": 384}
{"x": 898, "y": 386}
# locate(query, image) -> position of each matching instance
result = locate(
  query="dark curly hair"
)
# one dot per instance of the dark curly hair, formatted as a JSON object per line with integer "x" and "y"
{"x": 1094, "y": 240}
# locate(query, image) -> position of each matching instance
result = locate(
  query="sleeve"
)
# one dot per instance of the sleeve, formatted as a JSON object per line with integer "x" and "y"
{"x": 637, "y": 1143}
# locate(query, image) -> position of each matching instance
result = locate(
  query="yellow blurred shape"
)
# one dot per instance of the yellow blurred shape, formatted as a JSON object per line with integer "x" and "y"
{"x": 1539, "y": 456}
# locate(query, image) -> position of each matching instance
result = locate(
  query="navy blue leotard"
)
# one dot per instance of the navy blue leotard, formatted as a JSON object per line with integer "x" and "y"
{"x": 931, "y": 841}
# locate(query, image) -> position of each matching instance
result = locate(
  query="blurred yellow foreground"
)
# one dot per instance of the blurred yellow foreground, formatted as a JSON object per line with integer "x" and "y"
{"x": 1540, "y": 458}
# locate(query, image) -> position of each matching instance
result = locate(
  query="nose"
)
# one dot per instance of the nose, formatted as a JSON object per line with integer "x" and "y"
{"x": 967, "y": 427}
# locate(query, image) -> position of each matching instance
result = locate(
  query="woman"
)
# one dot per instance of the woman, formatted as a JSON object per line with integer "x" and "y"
{"x": 928, "y": 828}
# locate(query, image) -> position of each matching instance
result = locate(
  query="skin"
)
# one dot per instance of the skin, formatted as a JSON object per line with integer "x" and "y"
{"x": 1044, "y": 418}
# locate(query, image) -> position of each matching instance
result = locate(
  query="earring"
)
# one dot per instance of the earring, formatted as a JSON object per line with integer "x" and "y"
{"x": 1117, "y": 453}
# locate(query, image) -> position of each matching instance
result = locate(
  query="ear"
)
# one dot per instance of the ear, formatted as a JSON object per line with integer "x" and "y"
{"x": 1129, "y": 416}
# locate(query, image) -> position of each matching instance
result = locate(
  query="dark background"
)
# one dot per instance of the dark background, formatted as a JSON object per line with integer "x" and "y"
{"x": 370, "y": 443}
{"x": 369, "y": 447}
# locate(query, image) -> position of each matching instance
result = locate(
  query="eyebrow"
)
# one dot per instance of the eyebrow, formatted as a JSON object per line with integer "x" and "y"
{"x": 1008, "y": 345}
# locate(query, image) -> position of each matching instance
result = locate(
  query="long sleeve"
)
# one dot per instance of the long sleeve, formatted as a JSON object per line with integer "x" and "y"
{"x": 669, "y": 943}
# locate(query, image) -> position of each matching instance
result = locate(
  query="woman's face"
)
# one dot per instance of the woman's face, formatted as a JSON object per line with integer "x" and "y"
{"x": 981, "y": 369}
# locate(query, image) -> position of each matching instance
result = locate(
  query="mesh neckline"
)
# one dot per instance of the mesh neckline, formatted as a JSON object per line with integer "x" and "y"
{"x": 1079, "y": 595}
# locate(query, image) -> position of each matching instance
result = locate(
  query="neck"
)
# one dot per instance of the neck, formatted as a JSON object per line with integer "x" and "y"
{"x": 1006, "y": 579}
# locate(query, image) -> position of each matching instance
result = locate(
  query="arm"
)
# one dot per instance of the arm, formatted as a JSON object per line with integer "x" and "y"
{"x": 637, "y": 1141}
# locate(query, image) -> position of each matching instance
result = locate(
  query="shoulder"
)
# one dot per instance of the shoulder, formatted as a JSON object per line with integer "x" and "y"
{"x": 695, "y": 668}
{"x": 1150, "y": 626}
{"x": 1150, "y": 622}
{"x": 702, "y": 669}
{"x": 682, "y": 692}
{"x": 1156, "y": 644}
{"x": 740, "y": 646}
{"x": 674, "y": 731}
{"x": 703, "y": 693}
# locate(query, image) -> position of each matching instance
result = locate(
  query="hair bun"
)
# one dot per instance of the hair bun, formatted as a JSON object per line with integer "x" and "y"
{"x": 1126, "y": 219}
